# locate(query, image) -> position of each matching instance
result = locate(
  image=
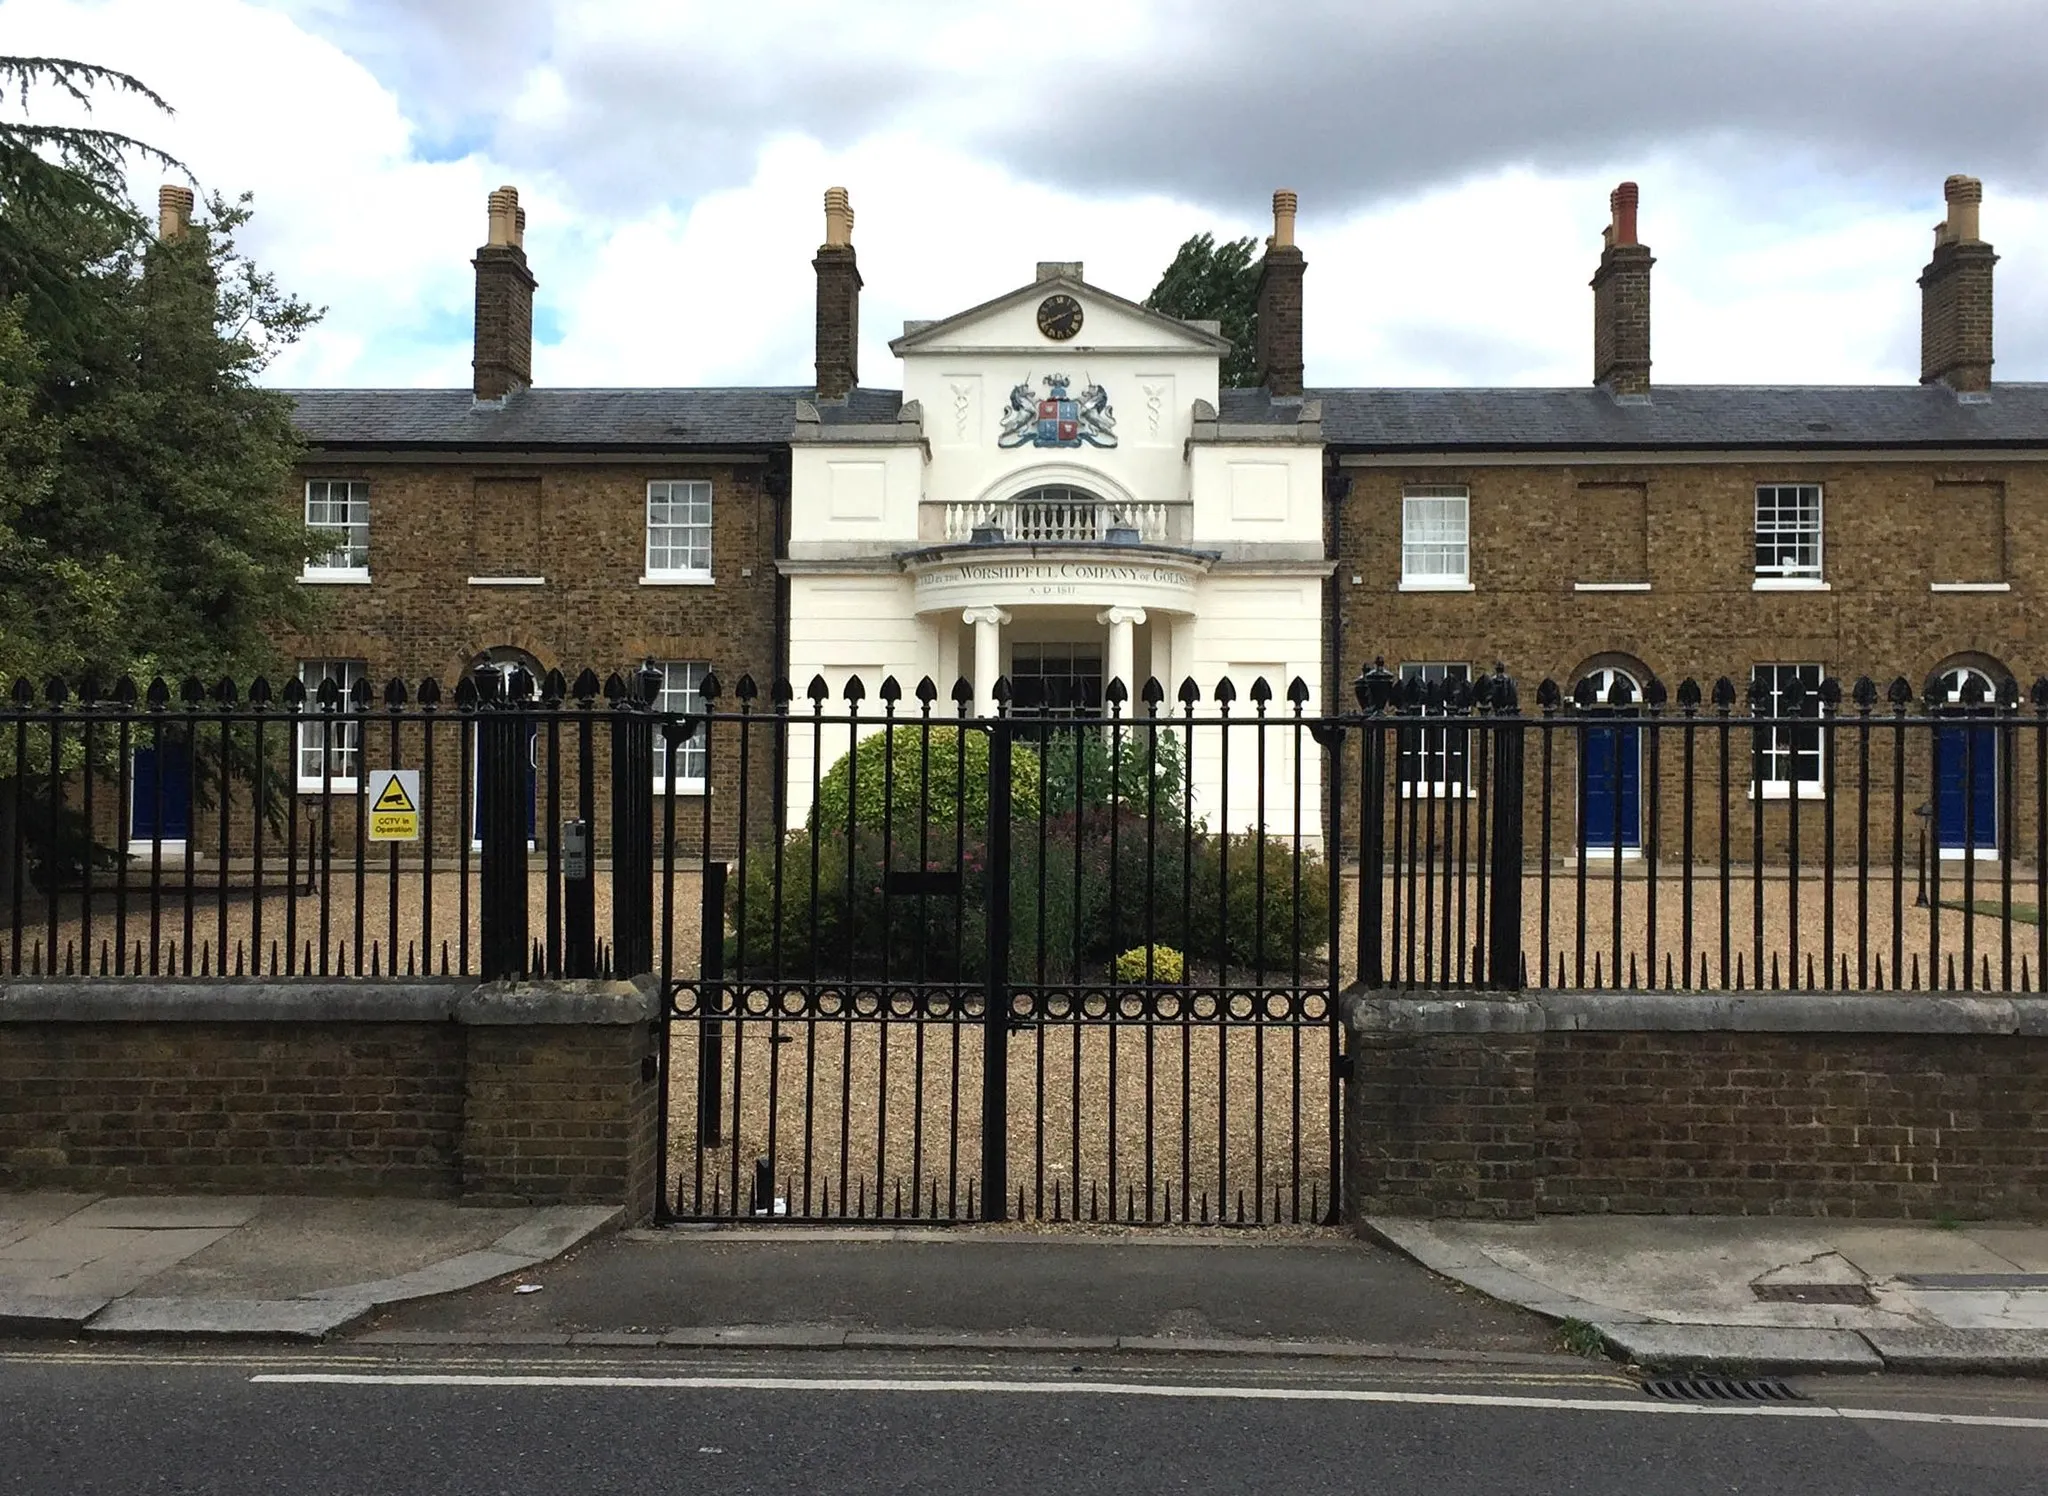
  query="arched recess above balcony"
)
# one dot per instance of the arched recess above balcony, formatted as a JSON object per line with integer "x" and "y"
{"x": 1063, "y": 503}
{"x": 1075, "y": 475}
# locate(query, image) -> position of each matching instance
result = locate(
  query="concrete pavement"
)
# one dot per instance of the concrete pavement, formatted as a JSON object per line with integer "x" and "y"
{"x": 290, "y": 1267}
{"x": 1702, "y": 1293}
{"x": 1771, "y": 1294}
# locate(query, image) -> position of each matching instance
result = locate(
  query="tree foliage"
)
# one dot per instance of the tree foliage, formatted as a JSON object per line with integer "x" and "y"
{"x": 1217, "y": 282}
{"x": 141, "y": 467}
{"x": 63, "y": 198}
{"x": 144, "y": 527}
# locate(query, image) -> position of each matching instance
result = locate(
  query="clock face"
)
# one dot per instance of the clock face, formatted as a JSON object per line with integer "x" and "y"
{"x": 1059, "y": 317}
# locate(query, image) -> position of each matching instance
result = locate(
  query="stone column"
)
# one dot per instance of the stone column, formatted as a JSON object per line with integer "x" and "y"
{"x": 1122, "y": 651}
{"x": 988, "y": 655}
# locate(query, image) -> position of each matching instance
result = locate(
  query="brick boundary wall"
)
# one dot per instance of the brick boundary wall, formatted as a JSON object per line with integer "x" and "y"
{"x": 1797, "y": 1104}
{"x": 538, "y": 1092}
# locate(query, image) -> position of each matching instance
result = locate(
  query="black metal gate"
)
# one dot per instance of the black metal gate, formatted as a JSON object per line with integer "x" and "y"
{"x": 988, "y": 967}
{"x": 961, "y": 964}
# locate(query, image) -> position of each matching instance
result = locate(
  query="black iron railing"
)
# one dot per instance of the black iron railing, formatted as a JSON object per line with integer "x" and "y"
{"x": 926, "y": 963}
{"x": 215, "y": 833}
{"x": 1812, "y": 837}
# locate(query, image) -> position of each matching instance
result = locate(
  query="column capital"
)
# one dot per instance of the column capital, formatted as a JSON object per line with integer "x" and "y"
{"x": 1120, "y": 614}
{"x": 985, "y": 615}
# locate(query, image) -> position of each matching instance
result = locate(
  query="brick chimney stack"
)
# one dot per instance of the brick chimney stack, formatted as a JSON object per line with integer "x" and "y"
{"x": 1278, "y": 353}
{"x": 504, "y": 302}
{"x": 1955, "y": 296}
{"x": 838, "y": 300}
{"x": 173, "y": 212}
{"x": 1621, "y": 301}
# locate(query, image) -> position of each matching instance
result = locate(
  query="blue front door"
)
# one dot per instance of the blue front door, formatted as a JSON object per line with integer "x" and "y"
{"x": 476, "y": 809}
{"x": 160, "y": 798}
{"x": 1613, "y": 797}
{"x": 1966, "y": 788}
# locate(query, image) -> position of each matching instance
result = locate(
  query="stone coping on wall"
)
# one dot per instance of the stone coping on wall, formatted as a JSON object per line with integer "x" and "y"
{"x": 145, "y": 999}
{"x": 1379, "y": 1013}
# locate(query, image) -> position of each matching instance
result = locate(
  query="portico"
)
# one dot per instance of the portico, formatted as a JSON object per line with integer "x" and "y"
{"x": 1012, "y": 596}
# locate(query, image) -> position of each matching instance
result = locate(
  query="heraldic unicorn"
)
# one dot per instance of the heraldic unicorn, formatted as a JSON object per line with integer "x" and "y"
{"x": 1059, "y": 419}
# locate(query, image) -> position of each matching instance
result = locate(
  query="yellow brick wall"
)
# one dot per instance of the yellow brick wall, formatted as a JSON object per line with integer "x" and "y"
{"x": 582, "y": 527}
{"x": 1890, "y": 529}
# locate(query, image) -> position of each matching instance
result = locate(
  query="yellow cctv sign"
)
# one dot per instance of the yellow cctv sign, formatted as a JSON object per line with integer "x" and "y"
{"x": 395, "y": 805}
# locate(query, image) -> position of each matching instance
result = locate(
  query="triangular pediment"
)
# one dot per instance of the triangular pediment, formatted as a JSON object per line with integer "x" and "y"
{"x": 1109, "y": 324}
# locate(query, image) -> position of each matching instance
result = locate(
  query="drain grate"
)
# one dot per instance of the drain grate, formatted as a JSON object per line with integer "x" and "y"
{"x": 1719, "y": 1389}
{"x": 1813, "y": 1293}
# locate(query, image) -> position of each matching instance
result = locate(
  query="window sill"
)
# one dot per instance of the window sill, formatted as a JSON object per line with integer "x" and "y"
{"x": 1778, "y": 789}
{"x": 508, "y": 581}
{"x": 1433, "y": 791}
{"x": 335, "y": 578}
{"x": 683, "y": 787}
{"x": 1789, "y": 584}
{"x": 337, "y": 785}
{"x": 678, "y": 579}
{"x": 1610, "y": 586}
{"x": 1436, "y": 586}
{"x": 1969, "y": 586}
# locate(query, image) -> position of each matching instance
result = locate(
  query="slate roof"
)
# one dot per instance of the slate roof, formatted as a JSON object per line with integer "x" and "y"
{"x": 653, "y": 420}
{"x": 1676, "y": 417}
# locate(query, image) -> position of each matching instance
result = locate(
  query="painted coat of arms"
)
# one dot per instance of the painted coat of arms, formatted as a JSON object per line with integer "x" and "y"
{"x": 1060, "y": 418}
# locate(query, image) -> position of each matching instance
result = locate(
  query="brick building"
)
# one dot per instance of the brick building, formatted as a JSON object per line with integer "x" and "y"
{"x": 989, "y": 517}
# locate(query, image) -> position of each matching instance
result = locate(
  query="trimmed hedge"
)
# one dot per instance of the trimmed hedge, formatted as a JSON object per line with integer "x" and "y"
{"x": 892, "y": 767}
{"x": 1090, "y": 889}
{"x": 1110, "y": 862}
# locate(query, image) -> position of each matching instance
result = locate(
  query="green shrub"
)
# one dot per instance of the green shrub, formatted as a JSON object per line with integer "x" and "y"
{"x": 1085, "y": 885}
{"x": 852, "y": 925}
{"x": 1150, "y": 963}
{"x": 1147, "y": 771}
{"x": 1107, "y": 886}
{"x": 1258, "y": 924}
{"x": 954, "y": 759}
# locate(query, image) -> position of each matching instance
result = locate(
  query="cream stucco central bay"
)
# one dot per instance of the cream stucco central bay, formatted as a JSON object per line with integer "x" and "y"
{"x": 1148, "y": 539}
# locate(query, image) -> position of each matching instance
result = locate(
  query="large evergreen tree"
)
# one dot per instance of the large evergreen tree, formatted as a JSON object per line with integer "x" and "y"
{"x": 144, "y": 523}
{"x": 1220, "y": 283}
{"x": 141, "y": 467}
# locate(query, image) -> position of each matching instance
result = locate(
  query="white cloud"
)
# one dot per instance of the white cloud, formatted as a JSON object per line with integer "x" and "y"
{"x": 347, "y": 215}
{"x": 1771, "y": 266}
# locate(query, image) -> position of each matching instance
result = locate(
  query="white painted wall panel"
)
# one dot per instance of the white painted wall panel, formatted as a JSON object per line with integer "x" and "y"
{"x": 841, "y": 627}
{"x": 860, "y": 495}
{"x": 1257, "y": 494}
{"x": 858, "y": 491}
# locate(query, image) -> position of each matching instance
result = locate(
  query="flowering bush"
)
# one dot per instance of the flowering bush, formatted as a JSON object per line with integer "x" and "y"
{"x": 1151, "y": 963}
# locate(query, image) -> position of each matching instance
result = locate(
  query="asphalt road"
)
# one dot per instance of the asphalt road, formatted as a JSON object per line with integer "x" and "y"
{"x": 162, "y": 1422}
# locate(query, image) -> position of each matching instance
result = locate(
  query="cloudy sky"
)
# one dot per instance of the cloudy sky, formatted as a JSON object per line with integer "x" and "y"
{"x": 1453, "y": 159}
